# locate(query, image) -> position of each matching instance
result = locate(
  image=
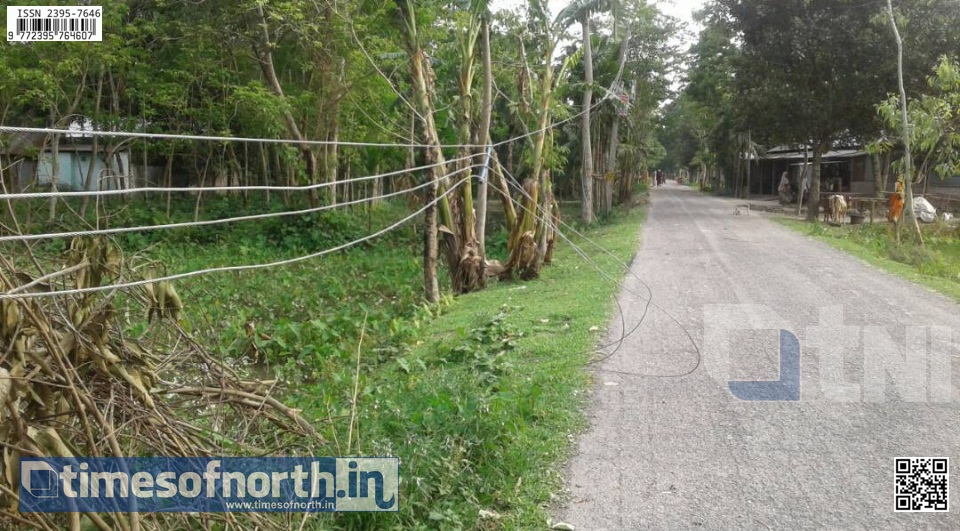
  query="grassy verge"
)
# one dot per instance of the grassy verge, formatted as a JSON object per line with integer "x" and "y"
{"x": 483, "y": 410}
{"x": 479, "y": 396}
{"x": 937, "y": 266}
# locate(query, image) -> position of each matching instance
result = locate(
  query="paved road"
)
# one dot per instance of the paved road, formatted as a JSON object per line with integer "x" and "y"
{"x": 666, "y": 451}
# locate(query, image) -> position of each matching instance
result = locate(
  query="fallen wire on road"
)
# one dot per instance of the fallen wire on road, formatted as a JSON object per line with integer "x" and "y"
{"x": 624, "y": 334}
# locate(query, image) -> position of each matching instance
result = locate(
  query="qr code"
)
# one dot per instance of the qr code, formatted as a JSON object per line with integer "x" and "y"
{"x": 922, "y": 484}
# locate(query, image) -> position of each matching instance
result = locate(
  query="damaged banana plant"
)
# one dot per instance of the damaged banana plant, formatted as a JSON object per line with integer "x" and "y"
{"x": 72, "y": 384}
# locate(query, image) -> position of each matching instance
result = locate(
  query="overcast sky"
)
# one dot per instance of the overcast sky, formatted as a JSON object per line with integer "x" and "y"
{"x": 682, "y": 9}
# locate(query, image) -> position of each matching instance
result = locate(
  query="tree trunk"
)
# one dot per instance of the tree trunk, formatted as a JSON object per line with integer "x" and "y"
{"x": 464, "y": 256}
{"x": 168, "y": 178}
{"x": 586, "y": 182}
{"x": 279, "y": 172}
{"x": 411, "y": 153}
{"x": 803, "y": 178}
{"x": 54, "y": 176}
{"x": 146, "y": 171}
{"x": 203, "y": 184}
{"x": 485, "y": 113}
{"x": 433, "y": 155}
{"x": 611, "y": 164}
{"x": 522, "y": 244}
{"x": 430, "y": 248}
{"x": 737, "y": 173}
{"x": 265, "y": 58}
{"x": 348, "y": 186}
{"x": 265, "y": 168}
{"x": 749, "y": 163}
{"x": 244, "y": 172}
{"x": 462, "y": 241}
{"x": 905, "y": 131}
{"x": 878, "y": 187}
{"x": 813, "y": 201}
{"x": 503, "y": 189}
{"x": 88, "y": 180}
{"x": 885, "y": 162}
{"x": 333, "y": 150}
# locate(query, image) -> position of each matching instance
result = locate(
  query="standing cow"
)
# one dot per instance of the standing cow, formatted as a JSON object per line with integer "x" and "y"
{"x": 837, "y": 208}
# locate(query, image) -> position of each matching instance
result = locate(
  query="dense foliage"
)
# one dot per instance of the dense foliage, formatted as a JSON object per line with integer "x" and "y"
{"x": 799, "y": 72}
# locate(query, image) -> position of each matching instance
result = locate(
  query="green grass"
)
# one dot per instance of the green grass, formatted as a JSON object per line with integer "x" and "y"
{"x": 937, "y": 266}
{"x": 483, "y": 410}
{"x": 480, "y": 396}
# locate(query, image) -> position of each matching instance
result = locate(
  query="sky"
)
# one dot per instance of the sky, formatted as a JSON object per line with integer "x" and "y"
{"x": 681, "y": 9}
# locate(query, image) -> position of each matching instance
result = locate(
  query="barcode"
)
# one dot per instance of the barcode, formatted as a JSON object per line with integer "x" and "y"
{"x": 54, "y": 23}
{"x": 25, "y": 25}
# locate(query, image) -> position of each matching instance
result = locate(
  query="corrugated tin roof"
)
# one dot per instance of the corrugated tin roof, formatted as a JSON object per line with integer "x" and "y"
{"x": 836, "y": 154}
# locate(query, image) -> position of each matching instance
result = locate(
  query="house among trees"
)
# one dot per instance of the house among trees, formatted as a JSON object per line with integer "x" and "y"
{"x": 29, "y": 159}
{"x": 845, "y": 169}
{"x": 849, "y": 170}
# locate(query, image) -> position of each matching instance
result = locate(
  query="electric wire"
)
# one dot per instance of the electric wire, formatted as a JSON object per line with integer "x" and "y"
{"x": 245, "y": 267}
{"x": 185, "y": 224}
{"x": 305, "y": 142}
{"x": 253, "y": 187}
{"x": 624, "y": 334}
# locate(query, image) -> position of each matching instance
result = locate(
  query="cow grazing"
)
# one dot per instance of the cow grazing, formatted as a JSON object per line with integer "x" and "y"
{"x": 837, "y": 207}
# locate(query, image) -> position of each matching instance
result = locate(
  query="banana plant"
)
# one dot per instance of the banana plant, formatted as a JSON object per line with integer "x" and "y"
{"x": 454, "y": 217}
{"x": 531, "y": 235}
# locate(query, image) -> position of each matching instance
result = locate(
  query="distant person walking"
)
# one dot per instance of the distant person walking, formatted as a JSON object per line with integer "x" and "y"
{"x": 896, "y": 203}
{"x": 786, "y": 193}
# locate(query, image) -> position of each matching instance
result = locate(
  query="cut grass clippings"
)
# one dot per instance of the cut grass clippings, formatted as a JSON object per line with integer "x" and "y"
{"x": 484, "y": 410}
{"x": 937, "y": 267}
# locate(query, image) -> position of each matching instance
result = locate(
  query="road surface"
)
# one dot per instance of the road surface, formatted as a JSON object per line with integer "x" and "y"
{"x": 670, "y": 447}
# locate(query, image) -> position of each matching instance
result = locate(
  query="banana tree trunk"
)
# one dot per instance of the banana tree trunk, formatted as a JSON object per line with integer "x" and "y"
{"x": 503, "y": 190}
{"x": 526, "y": 245}
{"x": 484, "y": 133}
{"x": 523, "y": 237}
{"x": 465, "y": 263}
